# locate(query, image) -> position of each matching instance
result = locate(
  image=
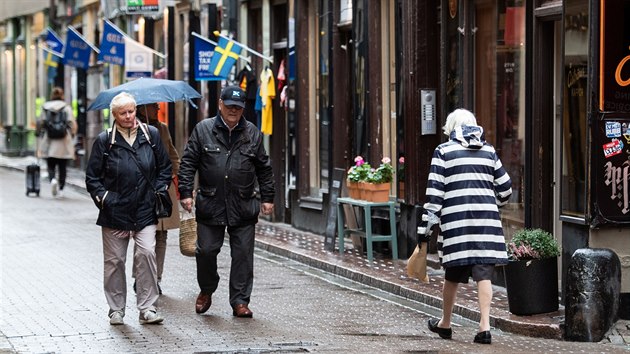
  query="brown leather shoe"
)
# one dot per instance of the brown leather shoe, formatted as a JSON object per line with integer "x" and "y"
{"x": 241, "y": 310}
{"x": 203, "y": 302}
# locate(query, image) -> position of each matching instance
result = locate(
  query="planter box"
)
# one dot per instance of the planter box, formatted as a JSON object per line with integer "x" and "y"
{"x": 353, "y": 190}
{"x": 532, "y": 286}
{"x": 378, "y": 193}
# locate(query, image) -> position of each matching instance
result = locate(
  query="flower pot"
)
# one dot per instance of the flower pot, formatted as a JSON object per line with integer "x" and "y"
{"x": 377, "y": 193}
{"x": 364, "y": 192}
{"x": 532, "y": 286}
{"x": 353, "y": 190}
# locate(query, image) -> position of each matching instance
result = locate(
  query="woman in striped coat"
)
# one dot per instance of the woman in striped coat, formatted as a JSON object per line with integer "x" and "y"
{"x": 466, "y": 186}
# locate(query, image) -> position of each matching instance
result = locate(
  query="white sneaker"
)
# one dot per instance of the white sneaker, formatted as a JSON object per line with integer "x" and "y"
{"x": 60, "y": 193}
{"x": 54, "y": 186}
{"x": 150, "y": 317}
{"x": 116, "y": 318}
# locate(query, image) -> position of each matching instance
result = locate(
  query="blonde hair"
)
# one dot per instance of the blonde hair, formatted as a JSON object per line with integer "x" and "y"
{"x": 457, "y": 118}
{"x": 120, "y": 100}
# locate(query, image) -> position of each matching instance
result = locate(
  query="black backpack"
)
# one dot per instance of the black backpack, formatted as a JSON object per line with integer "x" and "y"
{"x": 56, "y": 123}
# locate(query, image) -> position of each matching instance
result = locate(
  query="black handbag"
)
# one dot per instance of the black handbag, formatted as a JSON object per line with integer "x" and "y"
{"x": 163, "y": 204}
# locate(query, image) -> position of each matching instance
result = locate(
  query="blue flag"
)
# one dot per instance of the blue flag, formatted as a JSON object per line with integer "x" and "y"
{"x": 225, "y": 54}
{"x": 203, "y": 55}
{"x": 77, "y": 51}
{"x": 53, "y": 42}
{"x": 112, "y": 45}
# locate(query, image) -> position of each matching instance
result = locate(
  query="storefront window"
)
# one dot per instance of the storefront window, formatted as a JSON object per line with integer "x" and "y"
{"x": 573, "y": 187}
{"x": 507, "y": 129}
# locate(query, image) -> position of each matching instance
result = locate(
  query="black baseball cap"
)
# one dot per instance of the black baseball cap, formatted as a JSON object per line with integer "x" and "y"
{"x": 233, "y": 96}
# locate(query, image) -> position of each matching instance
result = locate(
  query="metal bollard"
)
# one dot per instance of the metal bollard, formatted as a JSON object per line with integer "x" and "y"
{"x": 592, "y": 294}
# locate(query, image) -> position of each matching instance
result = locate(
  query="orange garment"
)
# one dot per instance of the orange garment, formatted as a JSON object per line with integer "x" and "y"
{"x": 162, "y": 113}
{"x": 243, "y": 83}
{"x": 267, "y": 94}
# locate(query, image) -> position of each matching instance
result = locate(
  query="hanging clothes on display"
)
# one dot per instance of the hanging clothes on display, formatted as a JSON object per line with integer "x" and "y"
{"x": 246, "y": 80}
{"x": 267, "y": 94}
{"x": 258, "y": 108}
{"x": 282, "y": 86}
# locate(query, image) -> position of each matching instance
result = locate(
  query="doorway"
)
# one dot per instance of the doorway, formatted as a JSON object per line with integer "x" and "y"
{"x": 546, "y": 121}
{"x": 484, "y": 53}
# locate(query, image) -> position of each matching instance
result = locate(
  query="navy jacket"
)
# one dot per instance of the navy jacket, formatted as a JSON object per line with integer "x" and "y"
{"x": 130, "y": 201}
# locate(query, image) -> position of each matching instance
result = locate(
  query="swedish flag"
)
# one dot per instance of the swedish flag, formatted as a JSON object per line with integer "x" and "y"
{"x": 52, "y": 62}
{"x": 224, "y": 57}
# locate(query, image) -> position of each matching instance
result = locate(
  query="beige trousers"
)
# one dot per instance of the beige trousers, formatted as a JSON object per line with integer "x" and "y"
{"x": 115, "y": 244}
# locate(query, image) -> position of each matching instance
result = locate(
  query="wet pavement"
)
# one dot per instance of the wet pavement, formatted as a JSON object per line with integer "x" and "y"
{"x": 383, "y": 273}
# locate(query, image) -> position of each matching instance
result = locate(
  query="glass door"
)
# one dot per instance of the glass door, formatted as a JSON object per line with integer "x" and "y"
{"x": 484, "y": 52}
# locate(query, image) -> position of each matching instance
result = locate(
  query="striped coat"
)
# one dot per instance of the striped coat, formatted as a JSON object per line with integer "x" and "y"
{"x": 466, "y": 186}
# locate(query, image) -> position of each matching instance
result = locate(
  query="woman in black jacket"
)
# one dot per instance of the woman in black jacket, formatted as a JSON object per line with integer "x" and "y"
{"x": 121, "y": 160}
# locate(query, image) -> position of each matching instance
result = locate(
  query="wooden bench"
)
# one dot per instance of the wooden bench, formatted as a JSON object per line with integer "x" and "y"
{"x": 367, "y": 231}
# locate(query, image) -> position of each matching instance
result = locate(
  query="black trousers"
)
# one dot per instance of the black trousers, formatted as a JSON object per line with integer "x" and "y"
{"x": 52, "y": 166}
{"x": 209, "y": 242}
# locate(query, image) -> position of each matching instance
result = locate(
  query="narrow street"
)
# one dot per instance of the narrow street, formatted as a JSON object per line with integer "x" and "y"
{"x": 52, "y": 299}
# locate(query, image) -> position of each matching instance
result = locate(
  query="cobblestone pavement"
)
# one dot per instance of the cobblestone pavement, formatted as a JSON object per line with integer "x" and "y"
{"x": 52, "y": 301}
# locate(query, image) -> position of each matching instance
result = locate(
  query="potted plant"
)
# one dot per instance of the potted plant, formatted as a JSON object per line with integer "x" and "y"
{"x": 379, "y": 181}
{"x": 531, "y": 276}
{"x": 356, "y": 174}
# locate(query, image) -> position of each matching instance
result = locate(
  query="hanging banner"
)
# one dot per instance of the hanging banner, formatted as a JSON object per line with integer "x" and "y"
{"x": 53, "y": 42}
{"x": 112, "y": 45}
{"x": 77, "y": 51}
{"x": 204, "y": 50}
{"x": 138, "y": 59}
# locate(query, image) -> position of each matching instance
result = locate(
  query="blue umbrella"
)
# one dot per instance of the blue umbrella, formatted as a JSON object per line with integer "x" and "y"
{"x": 148, "y": 90}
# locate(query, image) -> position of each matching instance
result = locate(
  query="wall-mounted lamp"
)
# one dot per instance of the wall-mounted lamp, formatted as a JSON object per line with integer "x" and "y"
{"x": 19, "y": 43}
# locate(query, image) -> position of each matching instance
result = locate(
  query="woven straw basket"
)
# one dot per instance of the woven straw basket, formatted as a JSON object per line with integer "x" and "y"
{"x": 187, "y": 234}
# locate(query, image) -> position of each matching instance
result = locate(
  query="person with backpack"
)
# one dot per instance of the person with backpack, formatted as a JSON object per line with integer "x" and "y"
{"x": 56, "y": 130}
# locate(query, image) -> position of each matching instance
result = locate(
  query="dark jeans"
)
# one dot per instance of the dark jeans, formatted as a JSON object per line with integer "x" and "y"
{"x": 209, "y": 242}
{"x": 52, "y": 165}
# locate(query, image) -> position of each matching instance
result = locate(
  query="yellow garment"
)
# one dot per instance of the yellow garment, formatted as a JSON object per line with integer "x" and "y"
{"x": 243, "y": 83}
{"x": 267, "y": 94}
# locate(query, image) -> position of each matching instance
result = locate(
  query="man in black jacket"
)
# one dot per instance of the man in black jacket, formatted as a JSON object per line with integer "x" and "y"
{"x": 229, "y": 156}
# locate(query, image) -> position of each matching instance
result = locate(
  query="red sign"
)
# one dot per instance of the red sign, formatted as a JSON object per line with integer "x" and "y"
{"x": 613, "y": 148}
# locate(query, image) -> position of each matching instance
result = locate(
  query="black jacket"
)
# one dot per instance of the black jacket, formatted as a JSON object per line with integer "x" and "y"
{"x": 228, "y": 167}
{"x": 130, "y": 201}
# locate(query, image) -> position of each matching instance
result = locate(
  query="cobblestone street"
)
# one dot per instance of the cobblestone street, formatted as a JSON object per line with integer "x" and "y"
{"x": 53, "y": 302}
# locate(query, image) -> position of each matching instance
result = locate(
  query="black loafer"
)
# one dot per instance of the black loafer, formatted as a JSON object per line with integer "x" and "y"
{"x": 483, "y": 337}
{"x": 444, "y": 333}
